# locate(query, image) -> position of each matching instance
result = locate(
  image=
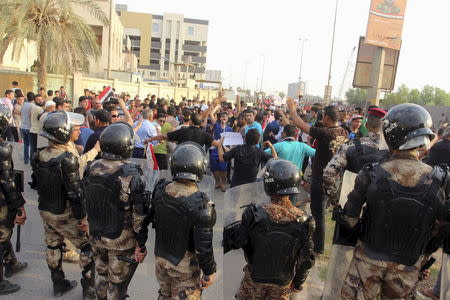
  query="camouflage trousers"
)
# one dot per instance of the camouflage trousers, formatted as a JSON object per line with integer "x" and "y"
{"x": 65, "y": 226}
{"x": 250, "y": 290}
{"x": 113, "y": 274}
{"x": 367, "y": 281}
{"x": 7, "y": 216}
{"x": 179, "y": 282}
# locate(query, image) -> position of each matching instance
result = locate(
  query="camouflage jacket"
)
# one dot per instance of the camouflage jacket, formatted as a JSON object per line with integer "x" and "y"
{"x": 334, "y": 171}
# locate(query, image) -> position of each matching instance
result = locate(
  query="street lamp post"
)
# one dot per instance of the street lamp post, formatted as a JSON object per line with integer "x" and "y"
{"x": 303, "y": 41}
{"x": 262, "y": 73}
{"x": 328, "y": 88}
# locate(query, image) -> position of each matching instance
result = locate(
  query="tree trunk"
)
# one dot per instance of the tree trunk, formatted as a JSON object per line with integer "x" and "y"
{"x": 6, "y": 41}
{"x": 42, "y": 66}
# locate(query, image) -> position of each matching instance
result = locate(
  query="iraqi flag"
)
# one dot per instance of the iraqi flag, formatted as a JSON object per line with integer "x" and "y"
{"x": 106, "y": 94}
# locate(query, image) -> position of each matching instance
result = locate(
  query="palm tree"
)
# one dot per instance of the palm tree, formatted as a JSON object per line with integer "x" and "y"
{"x": 64, "y": 42}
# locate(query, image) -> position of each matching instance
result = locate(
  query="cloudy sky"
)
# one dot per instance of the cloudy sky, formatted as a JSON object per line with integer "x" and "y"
{"x": 244, "y": 34}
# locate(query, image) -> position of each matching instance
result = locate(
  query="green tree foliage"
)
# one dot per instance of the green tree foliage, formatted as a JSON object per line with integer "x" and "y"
{"x": 429, "y": 95}
{"x": 357, "y": 97}
{"x": 64, "y": 42}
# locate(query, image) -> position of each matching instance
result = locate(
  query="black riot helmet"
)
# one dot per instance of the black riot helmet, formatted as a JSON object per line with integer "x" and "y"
{"x": 188, "y": 161}
{"x": 281, "y": 178}
{"x": 5, "y": 115}
{"x": 407, "y": 126}
{"x": 117, "y": 141}
{"x": 58, "y": 126}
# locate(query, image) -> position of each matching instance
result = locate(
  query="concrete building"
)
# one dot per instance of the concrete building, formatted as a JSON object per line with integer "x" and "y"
{"x": 169, "y": 48}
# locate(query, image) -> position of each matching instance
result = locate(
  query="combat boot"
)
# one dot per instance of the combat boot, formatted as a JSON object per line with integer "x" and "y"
{"x": 6, "y": 287}
{"x": 13, "y": 268}
{"x": 88, "y": 286}
{"x": 60, "y": 284}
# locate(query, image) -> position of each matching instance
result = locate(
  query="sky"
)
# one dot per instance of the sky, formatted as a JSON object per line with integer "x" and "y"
{"x": 246, "y": 35}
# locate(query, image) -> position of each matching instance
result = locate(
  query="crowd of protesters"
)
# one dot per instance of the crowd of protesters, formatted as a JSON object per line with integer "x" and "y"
{"x": 268, "y": 130}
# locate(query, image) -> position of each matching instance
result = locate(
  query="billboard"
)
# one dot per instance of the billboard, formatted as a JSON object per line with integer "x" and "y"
{"x": 385, "y": 25}
{"x": 366, "y": 55}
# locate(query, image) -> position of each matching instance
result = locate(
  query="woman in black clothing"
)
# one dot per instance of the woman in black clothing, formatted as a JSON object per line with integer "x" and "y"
{"x": 247, "y": 158}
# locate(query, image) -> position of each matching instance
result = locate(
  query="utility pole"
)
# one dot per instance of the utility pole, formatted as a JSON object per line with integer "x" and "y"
{"x": 262, "y": 74}
{"x": 303, "y": 41}
{"x": 376, "y": 76}
{"x": 327, "y": 97}
{"x": 245, "y": 76}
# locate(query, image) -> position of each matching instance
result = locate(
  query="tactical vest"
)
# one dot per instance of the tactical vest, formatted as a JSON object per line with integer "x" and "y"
{"x": 103, "y": 206}
{"x": 274, "y": 248}
{"x": 5, "y": 164}
{"x": 360, "y": 155}
{"x": 174, "y": 219}
{"x": 398, "y": 220}
{"x": 50, "y": 184}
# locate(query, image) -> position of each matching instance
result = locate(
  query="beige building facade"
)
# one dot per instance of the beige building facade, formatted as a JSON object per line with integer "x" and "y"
{"x": 169, "y": 47}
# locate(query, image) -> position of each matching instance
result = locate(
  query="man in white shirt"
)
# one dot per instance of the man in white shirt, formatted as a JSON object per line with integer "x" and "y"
{"x": 146, "y": 131}
{"x": 8, "y": 102}
{"x": 36, "y": 112}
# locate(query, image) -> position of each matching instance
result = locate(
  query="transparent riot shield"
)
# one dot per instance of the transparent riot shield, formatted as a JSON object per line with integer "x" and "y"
{"x": 150, "y": 175}
{"x": 17, "y": 154}
{"x": 341, "y": 251}
{"x": 235, "y": 201}
{"x": 445, "y": 271}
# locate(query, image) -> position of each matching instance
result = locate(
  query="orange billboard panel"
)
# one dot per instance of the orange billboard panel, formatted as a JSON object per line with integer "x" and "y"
{"x": 385, "y": 24}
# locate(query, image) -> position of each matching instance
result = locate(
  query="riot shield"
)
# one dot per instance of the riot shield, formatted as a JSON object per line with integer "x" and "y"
{"x": 235, "y": 201}
{"x": 17, "y": 154}
{"x": 445, "y": 271}
{"x": 150, "y": 175}
{"x": 342, "y": 248}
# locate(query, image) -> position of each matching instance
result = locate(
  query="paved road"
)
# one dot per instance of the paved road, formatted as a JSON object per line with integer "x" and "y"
{"x": 36, "y": 282}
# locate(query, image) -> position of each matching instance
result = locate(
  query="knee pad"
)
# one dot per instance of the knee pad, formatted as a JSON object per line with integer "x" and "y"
{"x": 55, "y": 256}
{"x": 86, "y": 250}
{"x": 4, "y": 247}
{"x": 87, "y": 259}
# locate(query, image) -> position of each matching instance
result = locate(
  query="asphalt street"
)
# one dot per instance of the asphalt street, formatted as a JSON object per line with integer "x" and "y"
{"x": 35, "y": 281}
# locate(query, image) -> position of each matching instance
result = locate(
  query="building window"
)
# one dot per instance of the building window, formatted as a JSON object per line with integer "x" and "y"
{"x": 155, "y": 27}
{"x": 191, "y": 30}
{"x": 152, "y": 73}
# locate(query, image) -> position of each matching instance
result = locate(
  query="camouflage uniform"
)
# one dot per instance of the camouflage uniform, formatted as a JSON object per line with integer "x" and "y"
{"x": 338, "y": 164}
{"x": 64, "y": 224}
{"x": 180, "y": 281}
{"x": 112, "y": 273}
{"x": 366, "y": 277}
{"x": 376, "y": 269}
{"x": 280, "y": 212}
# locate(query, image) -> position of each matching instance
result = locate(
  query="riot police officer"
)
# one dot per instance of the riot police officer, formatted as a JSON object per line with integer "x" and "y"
{"x": 353, "y": 155}
{"x": 56, "y": 171}
{"x": 11, "y": 210}
{"x": 183, "y": 218}
{"x": 117, "y": 209}
{"x": 404, "y": 199}
{"x": 276, "y": 238}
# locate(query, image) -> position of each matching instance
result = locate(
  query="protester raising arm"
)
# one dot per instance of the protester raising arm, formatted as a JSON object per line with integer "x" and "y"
{"x": 126, "y": 113}
{"x": 292, "y": 106}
